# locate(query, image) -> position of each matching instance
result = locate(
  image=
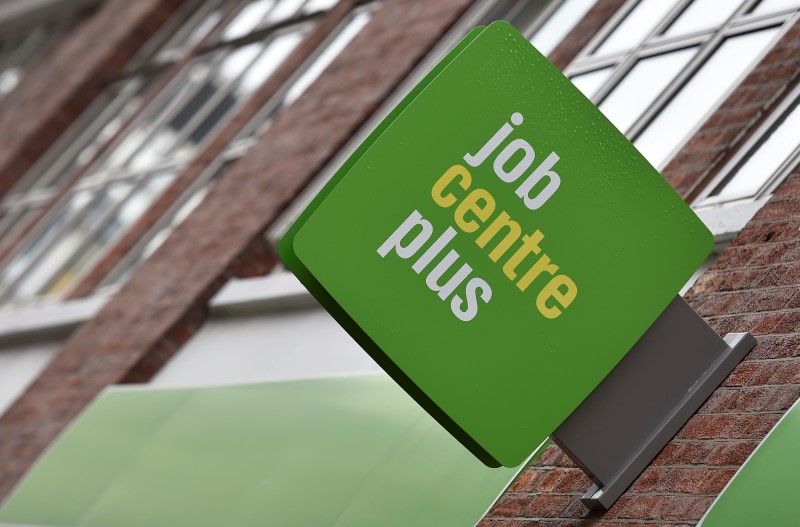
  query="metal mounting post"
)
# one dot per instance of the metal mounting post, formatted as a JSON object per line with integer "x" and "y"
{"x": 634, "y": 412}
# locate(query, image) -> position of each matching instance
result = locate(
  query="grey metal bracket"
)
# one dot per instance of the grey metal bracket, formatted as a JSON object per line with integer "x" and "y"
{"x": 651, "y": 393}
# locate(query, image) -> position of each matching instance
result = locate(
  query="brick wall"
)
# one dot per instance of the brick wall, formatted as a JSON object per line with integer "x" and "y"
{"x": 739, "y": 115}
{"x": 164, "y": 302}
{"x": 209, "y": 153}
{"x": 754, "y": 286}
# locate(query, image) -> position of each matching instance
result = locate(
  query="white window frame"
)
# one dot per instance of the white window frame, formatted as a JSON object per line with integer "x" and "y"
{"x": 99, "y": 176}
{"x": 709, "y": 41}
{"x": 729, "y": 214}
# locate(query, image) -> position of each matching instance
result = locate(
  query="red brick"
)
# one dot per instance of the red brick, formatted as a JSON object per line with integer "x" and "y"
{"x": 511, "y": 505}
{"x": 639, "y": 507}
{"x": 564, "y": 480}
{"x": 745, "y": 426}
{"x": 772, "y": 398}
{"x": 771, "y": 300}
{"x": 555, "y": 457}
{"x": 682, "y": 508}
{"x": 549, "y": 506}
{"x": 528, "y": 481}
{"x": 776, "y": 347}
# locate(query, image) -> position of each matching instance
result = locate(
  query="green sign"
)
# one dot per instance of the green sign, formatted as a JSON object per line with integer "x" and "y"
{"x": 764, "y": 490}
{"x": 345, "y": 452}
{"x": 496, "y": 245}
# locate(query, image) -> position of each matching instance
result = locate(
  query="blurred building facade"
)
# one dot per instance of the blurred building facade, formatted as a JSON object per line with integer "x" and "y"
{"x": 153, "y": 152}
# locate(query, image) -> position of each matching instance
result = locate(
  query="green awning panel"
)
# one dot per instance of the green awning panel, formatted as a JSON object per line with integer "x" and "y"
{"x": 354, "y": 452}
{"x": 764, "y": 490}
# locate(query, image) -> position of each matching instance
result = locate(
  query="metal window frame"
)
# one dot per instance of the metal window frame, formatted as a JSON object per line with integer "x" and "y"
{"x": 238, "y": 147}
{"x": 100, "y": 180}
{"x": 674, "y": 89}
{"x": 79, "y": 137}
{"x": 218, "y": 51}
{"x": 707, "y": 41}
{"x": 96, "y": 231}
{"x": 97, "y": 195}
{"x": 263, "y": 118}
{"x": 134, "y": 257}
{"x": 705, "y": 199}
{"x": 540, "y": 18}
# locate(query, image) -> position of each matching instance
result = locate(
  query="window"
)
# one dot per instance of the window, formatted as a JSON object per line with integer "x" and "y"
{"x": 135, "y": 143}
{"x": 302, "y": 79}
{"x": 544, "y": 23}
{"x": 770, "y": 156}
{"x": 659, "y": 68}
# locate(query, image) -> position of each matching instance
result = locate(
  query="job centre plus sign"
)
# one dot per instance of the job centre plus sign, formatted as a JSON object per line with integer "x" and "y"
{"x": 496, "y": 245}
{"x": 477, "y": 213}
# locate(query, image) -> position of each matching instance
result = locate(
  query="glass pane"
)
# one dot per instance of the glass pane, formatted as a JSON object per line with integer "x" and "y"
{"x": 326, "y": 57}
{"x": 765, "y": 161}
{"x": 110, "y": 128}
{"x": 702, "y": 14}
{"x": 283, "y": 10}
{"x": 45, "y": 237}
{"x": 135, "y": 205}
{"x": 9, "y": 80}
{"x": 589, "y": 83}
{"x": 217, "y": 114}
{"x": 122, "y": 273}
{"x": 639, "y": 22}
{"x": 71, "y": 240}
{"x": 772, "y": 6}
{"x": 640, "y": 87}
{"x": 164, "y": 139}
{"x": 248, "y": 19}
{"x": 700, "y": 94}
{"x": 138, "y": 202}
{"x": 252, "y": 78}
{"x": 237, "y": 62}
{"x": 200, "y": 21}
{"x": 268, "y": 62}
{"x": 167, "y": 103}
{"x": 548, "y": 36}
{"x": 319, "y": 5}
{"x": 202, "y": 29}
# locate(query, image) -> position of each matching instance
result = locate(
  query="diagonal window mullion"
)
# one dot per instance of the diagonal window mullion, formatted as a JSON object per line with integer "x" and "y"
{"x": 48, "y": 276}
{"x": 219, "y": 96}
{"x": 155, "y": 182}
{"x": 85, "y": 238}
{"x": 628, "y": 59}
{"x": 160, "y": 110}
{"x": 712, "y": 41}
{"x": 269, "y": 51}
{"x": 29, "y": 258}
{"x": 678, "y": 82}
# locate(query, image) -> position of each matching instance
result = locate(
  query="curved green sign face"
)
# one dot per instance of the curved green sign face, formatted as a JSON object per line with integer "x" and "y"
{"x": 764, "y": 490}
{"x": 496, "y": 245}
{"x": 344, "y": 452}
